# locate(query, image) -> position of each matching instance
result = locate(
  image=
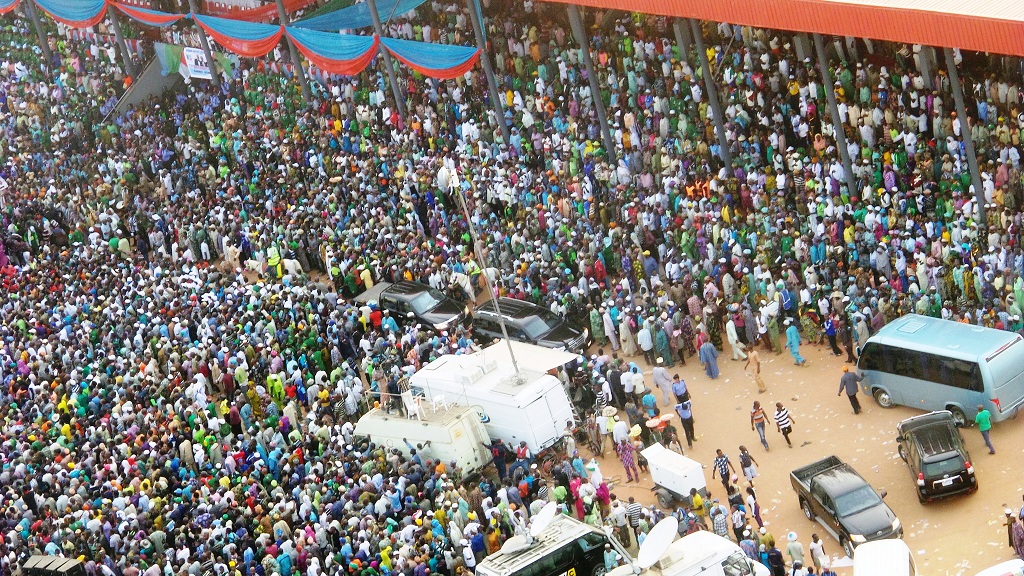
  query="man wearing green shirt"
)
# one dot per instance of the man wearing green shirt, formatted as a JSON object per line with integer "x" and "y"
{"x": 984, "y": 422}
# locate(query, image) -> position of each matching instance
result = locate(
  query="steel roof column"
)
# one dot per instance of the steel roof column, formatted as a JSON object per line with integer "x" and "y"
{"x": 580, "y": 34}
{"x": 477, "y": 18}
{"x": 44, "y": 40}
{"x": 296, "y": 60}
{"x": 965, "y": 132}
{"x": 833, "y": 110}
{"x": 712, "y": 91}
{"x": 389, "y": 66}
{"x": 122, "y": 48}
{"x": 204, "y": 43}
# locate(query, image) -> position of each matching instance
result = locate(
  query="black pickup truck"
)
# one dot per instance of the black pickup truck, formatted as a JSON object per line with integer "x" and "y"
{"x": 832, "y": 493}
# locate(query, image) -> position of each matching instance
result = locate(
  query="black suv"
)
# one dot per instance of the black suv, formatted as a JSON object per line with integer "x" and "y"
{"x": 428, "y": 306}
{"x": 932, "y": 447}
{"x": 527, "y": 322}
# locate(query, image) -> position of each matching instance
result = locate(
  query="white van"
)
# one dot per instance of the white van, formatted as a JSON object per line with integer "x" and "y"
{"x": 531, "y": 406}
{"x": 890, "y": 557}
{"x": 1013, "y": 567}
{"x": 700, "y": 554}
{"x": 454, "y": 434}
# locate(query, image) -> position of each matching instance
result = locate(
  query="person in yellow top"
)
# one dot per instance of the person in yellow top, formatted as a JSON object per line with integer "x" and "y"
{"x": 697, "y": 505}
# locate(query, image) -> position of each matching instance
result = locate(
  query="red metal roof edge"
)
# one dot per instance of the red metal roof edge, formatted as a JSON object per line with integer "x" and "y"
{"x": 880, "y": 23}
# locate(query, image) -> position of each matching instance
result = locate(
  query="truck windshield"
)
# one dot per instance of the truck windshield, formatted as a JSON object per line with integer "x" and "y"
{"x": 856, "y": 501}
{"x": 426, "y": 301}
{"x": 737, "y": 565}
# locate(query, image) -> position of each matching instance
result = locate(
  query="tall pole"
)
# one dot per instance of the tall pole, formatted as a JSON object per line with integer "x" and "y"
{"x": 965, "y": 130}
{"x": 396, "y": 89}
{"x": 709, "y": 87}
{"x": 296, "y": 61}
{"x": 833, "y": 110}
{"x": 205, "y": 45}
{"x": 44, "y": 41}
{"x": 485, "y": 60}
{"x": 122, "y": 48}
{"x": 461, "y": 194}
{"x": 580, "y": 34}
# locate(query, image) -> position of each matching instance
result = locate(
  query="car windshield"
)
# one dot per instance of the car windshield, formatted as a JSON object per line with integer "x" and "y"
{"x": 541, "y": 324}
{"x": 951, "y": 465}
{"x": 856, "y": 501}
{"x": 426, "y": 301}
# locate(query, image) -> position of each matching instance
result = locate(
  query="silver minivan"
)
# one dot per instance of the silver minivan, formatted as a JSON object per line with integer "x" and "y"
{"x": 934, "y": 364}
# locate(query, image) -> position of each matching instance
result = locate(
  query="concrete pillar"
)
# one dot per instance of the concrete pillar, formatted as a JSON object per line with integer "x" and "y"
{"x": 926, "y": 65}
{"x": 965, "y": 130}
{"x": 485, "y": 59}
{"x": 122, "y": 48}
{"x": 300, "y": 72}
{"x": 684, "y": 40}
{"x": 204, "y": 43}
{"x": 851, "y": 48}
{"x": 712, "y": 93}
{"x": 833, "y": 108}
{"x": 389, "y": 66}
{"x": 580, "y": 34}
{"x": 802, "y": 46}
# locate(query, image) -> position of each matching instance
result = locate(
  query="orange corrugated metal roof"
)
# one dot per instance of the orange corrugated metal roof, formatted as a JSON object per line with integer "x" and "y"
{"x": 983, "y": 25}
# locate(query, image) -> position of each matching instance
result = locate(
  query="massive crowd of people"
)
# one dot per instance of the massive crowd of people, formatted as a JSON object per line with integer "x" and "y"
{"x": 175, "y": 400}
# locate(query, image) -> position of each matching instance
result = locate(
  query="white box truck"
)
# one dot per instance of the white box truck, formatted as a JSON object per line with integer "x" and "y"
{"x": 454, "y": 434}
{"x": 531, "y": 406}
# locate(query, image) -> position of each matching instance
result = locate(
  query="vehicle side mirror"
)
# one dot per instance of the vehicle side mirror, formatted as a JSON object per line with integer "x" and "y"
{"x": 899, "y": 438}
{"x": 883, "y": 493}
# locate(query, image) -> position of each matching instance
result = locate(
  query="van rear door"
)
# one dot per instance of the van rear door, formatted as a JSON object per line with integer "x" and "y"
{"x": 1006, "y": 379}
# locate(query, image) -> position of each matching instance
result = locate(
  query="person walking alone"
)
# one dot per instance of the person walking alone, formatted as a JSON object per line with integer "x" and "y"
{"x": 793, "y": 342}
{"x": 755, "y": 358}
{"x": 757, "y": 422}
{"x": 984, "y": 422}
{"x": 709, "y": 357}
{"x": 784, "y": 422}
{"x": 849, "y": 383}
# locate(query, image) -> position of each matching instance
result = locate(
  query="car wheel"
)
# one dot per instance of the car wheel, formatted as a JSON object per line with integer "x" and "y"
{"x": 808, "y": 511}
{"x": 959, "y": 418}
{"x": 847, "y": 546}
{"x": 902, "y": 453}
{"x": 883, "y": 398}
{"x": 598, "y": 571}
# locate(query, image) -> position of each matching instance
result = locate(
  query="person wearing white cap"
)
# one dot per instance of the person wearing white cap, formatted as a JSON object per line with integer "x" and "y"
{"x": 467, "y": 555}
{"x": 794, "y": 549}
{"x": 662, "y": 380}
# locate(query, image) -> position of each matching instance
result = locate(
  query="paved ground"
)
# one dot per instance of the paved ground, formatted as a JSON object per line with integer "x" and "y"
{"x": 959, "y": 536}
